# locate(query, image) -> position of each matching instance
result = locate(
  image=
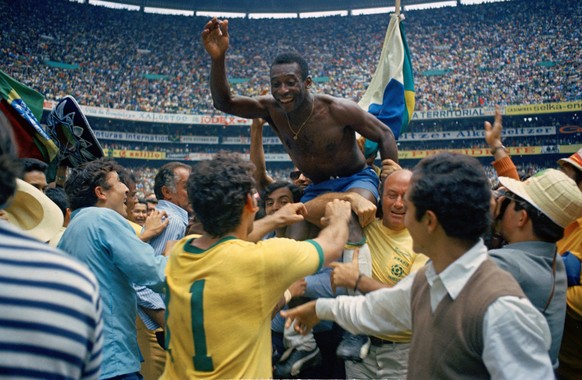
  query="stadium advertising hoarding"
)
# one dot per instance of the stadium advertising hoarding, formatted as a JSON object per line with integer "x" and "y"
{"x": 153, "y": 117}
{"x": 403, "y": 154}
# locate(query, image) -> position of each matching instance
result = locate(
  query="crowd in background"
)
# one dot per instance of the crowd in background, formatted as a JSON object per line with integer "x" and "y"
{"x": 515, "y": 52}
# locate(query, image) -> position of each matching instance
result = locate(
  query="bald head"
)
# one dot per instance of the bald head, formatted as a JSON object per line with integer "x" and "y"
{"x": 393, "y": 190}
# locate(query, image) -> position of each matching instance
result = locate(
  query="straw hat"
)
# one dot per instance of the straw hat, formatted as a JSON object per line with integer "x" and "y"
{"x": 575, "y": 160}
{"x": 550, "y": 191}
{"x": 33, "y": 212}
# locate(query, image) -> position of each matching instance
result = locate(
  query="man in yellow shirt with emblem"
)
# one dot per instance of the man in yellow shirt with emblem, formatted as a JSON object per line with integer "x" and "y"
{"x": 392, "y": 259}
{"x": 222, "y": 288}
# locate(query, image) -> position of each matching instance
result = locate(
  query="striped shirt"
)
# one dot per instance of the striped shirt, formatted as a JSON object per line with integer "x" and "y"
{"x": 176, "y": 230}
{"x": 50, "y": 312}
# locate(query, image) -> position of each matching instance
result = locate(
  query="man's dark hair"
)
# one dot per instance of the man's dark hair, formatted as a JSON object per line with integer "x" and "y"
{"x": 292, "y": 57}
{"x": 32, "y": 164}
{"x": 543, "y": 227}
{"x": 127, "y": 177}
{"x": 166, "y": 177}
{"x": 456, "y": 188}
{"x": 577, "y": 173}
{"x": 296, "y": 192}
{"x": 9, "y": 168}
{"x": 218, "y": 190}
{"x": 81, "y": 183}
{"x": 59, "y": 197}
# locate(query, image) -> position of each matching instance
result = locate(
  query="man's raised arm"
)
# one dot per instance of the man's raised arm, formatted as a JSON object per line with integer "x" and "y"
{"x": 215, "y": 38}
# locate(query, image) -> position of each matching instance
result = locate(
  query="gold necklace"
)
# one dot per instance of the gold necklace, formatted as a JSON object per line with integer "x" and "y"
{"x": 295, "y": 134}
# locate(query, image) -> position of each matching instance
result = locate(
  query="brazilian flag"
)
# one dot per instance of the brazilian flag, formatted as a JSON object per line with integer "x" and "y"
{"x": 23, "y": 107}
{"x": 390, "y": 94}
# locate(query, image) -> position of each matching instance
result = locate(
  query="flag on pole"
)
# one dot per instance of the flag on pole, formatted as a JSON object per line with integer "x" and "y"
{"x": 23, "y": 107}
{"x": 390, "y": 95}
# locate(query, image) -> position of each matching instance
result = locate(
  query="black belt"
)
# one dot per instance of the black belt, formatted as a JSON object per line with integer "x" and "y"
{"x": 379, "y": 342}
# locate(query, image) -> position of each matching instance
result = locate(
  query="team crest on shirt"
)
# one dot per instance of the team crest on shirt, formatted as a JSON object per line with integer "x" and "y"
{"x": 396, "y": 270}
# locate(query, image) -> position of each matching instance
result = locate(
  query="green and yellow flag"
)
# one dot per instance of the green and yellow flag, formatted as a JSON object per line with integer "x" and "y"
{"x": 23, "y": 107}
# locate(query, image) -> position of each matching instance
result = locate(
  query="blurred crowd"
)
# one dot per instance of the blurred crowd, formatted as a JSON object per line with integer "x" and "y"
{"x": 463, "y": 57}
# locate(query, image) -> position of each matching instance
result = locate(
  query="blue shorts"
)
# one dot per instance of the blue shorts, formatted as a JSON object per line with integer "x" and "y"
{"x": 366, "y": 179}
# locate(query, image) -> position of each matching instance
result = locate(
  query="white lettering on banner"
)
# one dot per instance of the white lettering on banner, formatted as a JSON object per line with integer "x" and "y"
{"x": 236, "y": 140}
{"x": 126, "y": 136}
{"x": 199, "y": 139}
{"x": 454, "y": 114}
{"x": 476, "y": 134}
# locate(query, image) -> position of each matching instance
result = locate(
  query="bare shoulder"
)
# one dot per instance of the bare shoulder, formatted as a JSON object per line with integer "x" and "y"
{"x": 345, "y": 109}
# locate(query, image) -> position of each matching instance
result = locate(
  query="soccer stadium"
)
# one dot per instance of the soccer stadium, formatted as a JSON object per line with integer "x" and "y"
{"x": 153, "y": 225}
{"x": 142, "y": 78}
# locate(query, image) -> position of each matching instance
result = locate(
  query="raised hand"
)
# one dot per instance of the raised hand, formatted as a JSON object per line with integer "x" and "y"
{"x": 215, "y": 38}
{"x": 493, "y": 133}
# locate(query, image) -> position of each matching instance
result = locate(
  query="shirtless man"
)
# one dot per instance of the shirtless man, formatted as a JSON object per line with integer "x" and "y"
{"x": 317, "y": 131}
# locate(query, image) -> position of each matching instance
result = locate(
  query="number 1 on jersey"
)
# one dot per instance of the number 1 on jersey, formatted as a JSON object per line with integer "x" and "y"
{"x": 202, "y": 362}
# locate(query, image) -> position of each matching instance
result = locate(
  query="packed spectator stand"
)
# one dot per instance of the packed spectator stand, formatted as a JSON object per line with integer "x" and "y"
{"x": 463, "y": 58}
{"x": 513, "y": 52}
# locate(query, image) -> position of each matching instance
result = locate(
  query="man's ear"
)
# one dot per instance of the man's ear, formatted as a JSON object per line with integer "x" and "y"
{"x": 523, "y": 218}
{"x": 166, "y": 193}
{"x": 251, "y": 203}
{"x": 430, "y": 220}
{"x": 100, "y": 193}
{"x": 308, "y": 82}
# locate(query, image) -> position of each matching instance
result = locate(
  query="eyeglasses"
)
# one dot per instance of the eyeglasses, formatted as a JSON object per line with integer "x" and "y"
{"x": 508, "y": 198}
{"x": 295, "y": 174}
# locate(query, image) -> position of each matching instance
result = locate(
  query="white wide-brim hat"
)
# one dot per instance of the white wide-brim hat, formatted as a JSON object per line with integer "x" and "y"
{"x": 33, "y": 212}
{"x": 550, "y": 191}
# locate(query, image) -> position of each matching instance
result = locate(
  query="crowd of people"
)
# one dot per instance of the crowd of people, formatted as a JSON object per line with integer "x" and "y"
{"x": 524, "y": 57}
{"x": 203, "y": 228}
{"x": 344, "y": 266}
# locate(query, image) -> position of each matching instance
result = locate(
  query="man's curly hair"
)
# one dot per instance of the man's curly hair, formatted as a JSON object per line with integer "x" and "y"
{"x": 81, "y": 183}
{"x": 218, "y": 191}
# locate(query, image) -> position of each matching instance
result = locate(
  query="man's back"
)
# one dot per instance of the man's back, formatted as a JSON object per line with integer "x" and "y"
{"x": 51, "y": 312}
{"x": 220, "y": 304}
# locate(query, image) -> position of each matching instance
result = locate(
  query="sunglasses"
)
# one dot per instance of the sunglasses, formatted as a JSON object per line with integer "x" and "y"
{"x": 295, "y": 174}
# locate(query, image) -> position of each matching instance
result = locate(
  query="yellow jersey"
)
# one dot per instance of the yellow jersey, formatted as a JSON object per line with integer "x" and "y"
{"x": 220, "y": 300}
{"x": 392, "y": 260}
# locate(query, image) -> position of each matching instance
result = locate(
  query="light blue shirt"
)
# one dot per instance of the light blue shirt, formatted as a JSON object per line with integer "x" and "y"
{"x": 106, "y": 243}
{"x": 176, "y": 230}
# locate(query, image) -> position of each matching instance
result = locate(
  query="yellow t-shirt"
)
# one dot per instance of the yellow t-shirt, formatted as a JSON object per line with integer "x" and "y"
{"x": 220, "y": 300}
{"x": 392, "y": 260}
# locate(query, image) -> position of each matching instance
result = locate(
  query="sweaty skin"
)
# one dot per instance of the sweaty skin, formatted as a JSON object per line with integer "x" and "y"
{"x": 325, "y": 126}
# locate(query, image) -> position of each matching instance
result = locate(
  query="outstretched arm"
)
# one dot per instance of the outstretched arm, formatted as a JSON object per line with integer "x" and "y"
{"x": 257, "y": 154}
{"x": 286, "y": 215}
{"x": 216, "y": 41}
